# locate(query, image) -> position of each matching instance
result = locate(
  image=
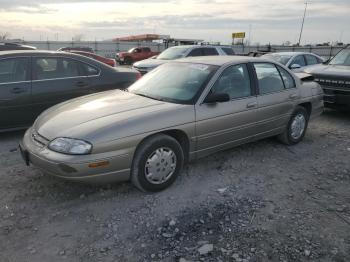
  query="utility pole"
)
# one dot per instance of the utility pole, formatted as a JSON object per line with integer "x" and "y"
{"x": 302, "y": 24}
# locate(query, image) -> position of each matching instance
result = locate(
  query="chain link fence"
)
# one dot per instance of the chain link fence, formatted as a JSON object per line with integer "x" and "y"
{"x": 109, "y": 48}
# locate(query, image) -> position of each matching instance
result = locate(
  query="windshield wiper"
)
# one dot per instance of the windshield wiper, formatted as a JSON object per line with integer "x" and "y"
{"x": 151, "y": 97}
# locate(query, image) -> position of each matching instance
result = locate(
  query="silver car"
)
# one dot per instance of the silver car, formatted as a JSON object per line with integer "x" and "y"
{"x": 179, "y": 112}
{"x": 178, "y": 52}
{"x": 297, "y": 61}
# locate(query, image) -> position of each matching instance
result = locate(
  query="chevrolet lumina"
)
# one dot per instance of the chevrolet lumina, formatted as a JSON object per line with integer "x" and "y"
{"x": 179, "y": 112}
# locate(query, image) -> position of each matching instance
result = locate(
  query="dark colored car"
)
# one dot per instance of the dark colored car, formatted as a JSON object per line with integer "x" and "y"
{"x": 107, "y": 61}
{"x": 77, "y": 48}
{"x": 15, "y": 46}
{"x": 32, "y": 81}
{"x": 334, "y": 77}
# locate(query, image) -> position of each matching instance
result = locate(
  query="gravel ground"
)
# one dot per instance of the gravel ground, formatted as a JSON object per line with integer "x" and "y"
{"x": 262, "y": 201}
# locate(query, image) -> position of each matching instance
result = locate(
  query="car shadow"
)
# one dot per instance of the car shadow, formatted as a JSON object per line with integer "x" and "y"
{"x": 337, "y": 114}
{"x": 10, "y": 135}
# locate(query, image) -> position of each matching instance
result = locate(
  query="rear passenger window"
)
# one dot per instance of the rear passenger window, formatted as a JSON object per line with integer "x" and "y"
{"x": 47, "y": 68}
{"x": 287, "y": 78}
{"x": 210, "y": 51}
{"x": 311, "y": 60}
{"x": 269, "y": 78}
{"x": 70, "y": 68}
{"x": 54, "y": 67}
{"x": 13, "y": 70}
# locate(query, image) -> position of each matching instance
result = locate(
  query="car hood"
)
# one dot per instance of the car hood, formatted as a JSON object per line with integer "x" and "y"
{"x": 110, "y": 115}
{"x": 122, "y": 53}
{"x": 329, "y": 70}
{"x": 151, "y": 63}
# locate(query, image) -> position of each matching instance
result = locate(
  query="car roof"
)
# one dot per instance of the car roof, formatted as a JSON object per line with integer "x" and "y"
{"x": 221, "y": 60}
{"x": 16, "y": 53}
{"x": 30, "y": 52}
{"x": 197, "y": 46}
{"x": 291, "y": 53}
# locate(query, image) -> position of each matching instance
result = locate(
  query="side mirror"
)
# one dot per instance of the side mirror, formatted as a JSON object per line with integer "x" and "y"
{"x": 295, "y": 66}
{"x": 217, "y": 98}
{"x": 327, "y": 61}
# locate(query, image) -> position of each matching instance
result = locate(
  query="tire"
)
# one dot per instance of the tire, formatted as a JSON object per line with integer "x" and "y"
{"x": 161, "y": 154}
{"x": 300, "y": 119}
{"x": 128, "y": 61}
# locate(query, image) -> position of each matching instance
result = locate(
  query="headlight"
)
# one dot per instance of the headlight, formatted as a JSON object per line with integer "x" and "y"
{"x": 70, "y": 146}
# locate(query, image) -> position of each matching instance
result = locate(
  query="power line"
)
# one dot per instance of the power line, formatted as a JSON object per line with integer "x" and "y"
{"x": 302, "y": 24}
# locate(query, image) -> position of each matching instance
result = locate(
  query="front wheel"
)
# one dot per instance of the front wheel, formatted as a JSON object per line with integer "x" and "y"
{"x": 157, "y": 162}
{"x": 128, "y": 61}
{"x": 296, "y": 127}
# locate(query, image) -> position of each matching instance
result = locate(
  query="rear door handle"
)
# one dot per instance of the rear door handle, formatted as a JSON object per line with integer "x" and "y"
{"x": 81, "y": 84}
{"x": 252, "y": 105}
{"x": 18, "y": 90}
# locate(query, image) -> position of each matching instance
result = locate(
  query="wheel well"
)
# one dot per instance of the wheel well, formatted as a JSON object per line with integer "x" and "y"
{"x": 183, "y": 140}
{"x": 307, "y": 106}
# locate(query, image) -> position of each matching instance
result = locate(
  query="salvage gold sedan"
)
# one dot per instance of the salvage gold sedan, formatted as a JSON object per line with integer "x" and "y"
{"x": 181, "y": 111}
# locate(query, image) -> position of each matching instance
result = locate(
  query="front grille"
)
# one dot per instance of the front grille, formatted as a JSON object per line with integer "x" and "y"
{"x": 333, "y": 83}
{"x": 39, "y": 139}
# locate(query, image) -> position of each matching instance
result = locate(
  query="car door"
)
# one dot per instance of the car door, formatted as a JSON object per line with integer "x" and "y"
{"x": 277, "y": 95}
{"x": 223, "y": 125}
{"x": 57, "y": 79}
{"x": 15, "y": 92}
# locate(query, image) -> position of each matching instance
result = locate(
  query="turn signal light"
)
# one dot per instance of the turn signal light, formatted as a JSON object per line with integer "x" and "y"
{"x": 99, "y": 164}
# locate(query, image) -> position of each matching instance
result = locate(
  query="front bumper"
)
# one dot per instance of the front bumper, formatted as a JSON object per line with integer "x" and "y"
{"x": 119, "y": 59}
{"x": 336, "y": 97}
{"x": 75, "y": 167}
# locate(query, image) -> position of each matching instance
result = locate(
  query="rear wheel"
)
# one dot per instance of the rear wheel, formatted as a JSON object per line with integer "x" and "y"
{"x": 157, "y": 163}
{"x": 296, "y": 127}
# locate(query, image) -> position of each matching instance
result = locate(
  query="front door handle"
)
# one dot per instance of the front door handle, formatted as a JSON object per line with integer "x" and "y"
{"x": 252, "y": 105}
{"x": 293, "y": 96}
{"x": 18, "y": 90}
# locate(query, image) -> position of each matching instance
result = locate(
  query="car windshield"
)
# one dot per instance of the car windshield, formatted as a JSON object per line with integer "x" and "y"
{"x": 174, "y": 82}
{"x": 283, "y": 59}
{"x": 131, "y": 50}
{"x": 342, "y": 58}
{"x": 173, "y": 53}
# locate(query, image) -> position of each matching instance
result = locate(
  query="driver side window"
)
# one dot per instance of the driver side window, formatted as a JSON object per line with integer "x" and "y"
{"x": 234, "y": 81}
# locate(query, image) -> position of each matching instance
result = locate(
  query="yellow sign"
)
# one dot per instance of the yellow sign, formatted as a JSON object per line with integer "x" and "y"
{"x": 238, "y": 35}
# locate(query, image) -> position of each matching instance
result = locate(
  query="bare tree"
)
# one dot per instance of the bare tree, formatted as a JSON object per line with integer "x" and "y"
{"x": 78, "y": 37}
{"x": 4, "y": 36}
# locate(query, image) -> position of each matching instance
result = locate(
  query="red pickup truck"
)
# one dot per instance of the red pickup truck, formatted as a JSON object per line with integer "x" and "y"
{"x": 134, "y": 55}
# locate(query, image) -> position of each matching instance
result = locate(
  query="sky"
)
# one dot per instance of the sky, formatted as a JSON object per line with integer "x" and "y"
{"x": 268, "y": 21}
